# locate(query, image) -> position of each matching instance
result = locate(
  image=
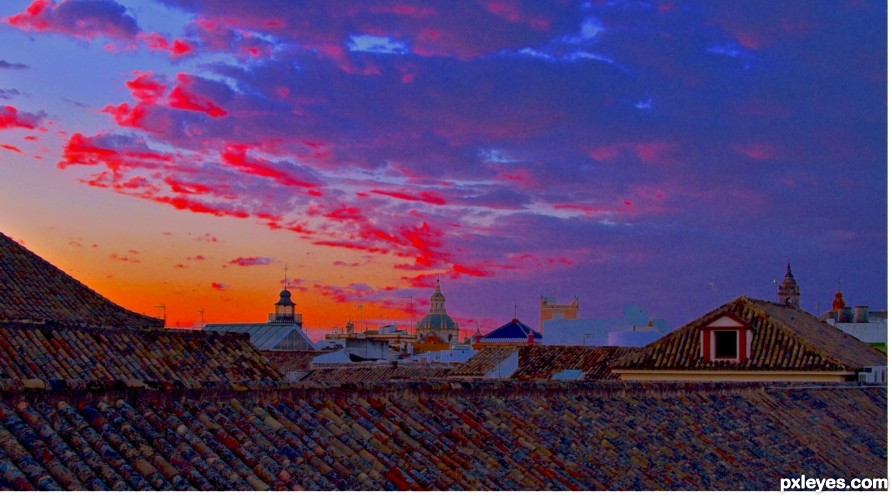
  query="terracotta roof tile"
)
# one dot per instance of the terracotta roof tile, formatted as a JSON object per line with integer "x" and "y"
{"x": 35, "y": 290}
{"x": 784, "y": 338}
{"x": 483, "y": 361}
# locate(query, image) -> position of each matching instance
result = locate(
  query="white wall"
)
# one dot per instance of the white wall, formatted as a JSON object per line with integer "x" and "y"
{"x": 506, "y": 368}
{"x": 607, "y": 332}
{"x": 870, "y": 332}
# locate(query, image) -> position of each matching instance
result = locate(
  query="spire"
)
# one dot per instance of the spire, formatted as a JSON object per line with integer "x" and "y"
{"x": 438, "y": 301}
{"x": 788, "y": 291}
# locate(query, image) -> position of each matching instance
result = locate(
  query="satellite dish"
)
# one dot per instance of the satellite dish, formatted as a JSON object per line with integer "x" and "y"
{"x": 662, "y": 325}
{"x": 635, "y": 315}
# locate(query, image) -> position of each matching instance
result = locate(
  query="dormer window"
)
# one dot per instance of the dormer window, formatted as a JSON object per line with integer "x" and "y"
{"x": 726, "y": 338}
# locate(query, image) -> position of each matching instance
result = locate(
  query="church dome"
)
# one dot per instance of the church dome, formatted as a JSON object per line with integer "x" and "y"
{"x": 436, "y": 322}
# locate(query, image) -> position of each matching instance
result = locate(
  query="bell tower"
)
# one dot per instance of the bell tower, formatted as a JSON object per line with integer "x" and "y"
{"x": 788, "y": 291}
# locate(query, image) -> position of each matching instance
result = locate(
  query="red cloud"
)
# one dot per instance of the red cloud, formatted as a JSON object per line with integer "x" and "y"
{"x": 10, "y": 148}
{"x": 184, "y": 97}
{"x": 237, "y": 155}
{"x": 219, "y": 286}
{"x": 100, "y": 149}
{"x": 145, "y": 88}
{"x": 471, "y": 271}
{"x": 158, "y": 42}
{"x": 78, "y": 19}
{"x": 422, "y": 197}
{"x": 351, "y": 214}
{"x": 151, "y": 95}
{"x": 10, "y": 117}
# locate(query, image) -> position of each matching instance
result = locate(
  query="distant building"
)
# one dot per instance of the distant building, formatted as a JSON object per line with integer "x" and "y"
{"x": 752, "y": 340}
{"x": 859, "y": 321}
{"x": 282, "y": 332}
{"x": 550, "y": 309}
{"x": 436, "y": 330}
{"x": 456, "y": 354}
{"x": 511, "y": 334}
{"x": 399, "y": 341}
{"x": 633, "y": 330}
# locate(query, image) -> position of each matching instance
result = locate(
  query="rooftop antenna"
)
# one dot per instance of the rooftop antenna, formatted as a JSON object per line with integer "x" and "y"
{"x": 515, "y": 311}
{"x": 411, "y": 311}
{"x": 361, "y": 322}
{"x": 286, "y": 275}
{"x": 201, "y": 318}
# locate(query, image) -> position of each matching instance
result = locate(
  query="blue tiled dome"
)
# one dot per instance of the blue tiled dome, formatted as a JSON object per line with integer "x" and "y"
{"x": 437, "y": 321}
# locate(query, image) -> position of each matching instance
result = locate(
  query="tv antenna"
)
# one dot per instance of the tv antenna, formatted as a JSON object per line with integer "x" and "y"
{"x": 361, "y": 322}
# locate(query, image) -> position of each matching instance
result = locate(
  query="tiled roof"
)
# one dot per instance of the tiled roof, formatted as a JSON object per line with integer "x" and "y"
{"x": 291, "y": 361}
{"x": 784, "y": 338}
{"x": 514, "y": 331}
{"x": 55, "y": 357}
{"x": 32, "y": 289}
{"x": 374, "y": 373}
{"x": 413, "y": 436}
{"x": 483, "y": 361}
{"x": 542, "y": 362}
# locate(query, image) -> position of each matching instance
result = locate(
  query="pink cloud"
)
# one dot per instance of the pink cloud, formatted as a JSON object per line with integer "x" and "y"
{"x": 124, "y": 258}
{"x": 219, "y": 286}
{"x": 251, "y": 261}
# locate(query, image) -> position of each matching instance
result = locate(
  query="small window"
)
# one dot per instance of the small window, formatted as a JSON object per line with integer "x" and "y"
{"x": 725, "y": 344}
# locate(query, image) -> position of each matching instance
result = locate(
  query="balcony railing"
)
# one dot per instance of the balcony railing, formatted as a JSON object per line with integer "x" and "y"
{"x": 282, "y": 318}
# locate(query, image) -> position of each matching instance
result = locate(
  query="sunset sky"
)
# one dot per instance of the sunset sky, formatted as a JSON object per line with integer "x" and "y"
{"x": 668, "y": 154}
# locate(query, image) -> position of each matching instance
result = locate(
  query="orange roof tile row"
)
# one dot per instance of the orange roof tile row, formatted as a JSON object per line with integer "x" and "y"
{"x": 412, "y": 436}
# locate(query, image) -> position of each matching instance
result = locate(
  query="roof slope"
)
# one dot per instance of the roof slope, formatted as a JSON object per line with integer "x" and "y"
{"x": 34, "y": 290}
{"x": 77, "y": 358}
{"x": 784, "y": 338}
{"x": 266, "y": 336}
{"x": 543, "y": 362}
{"x": 483, "y": 361}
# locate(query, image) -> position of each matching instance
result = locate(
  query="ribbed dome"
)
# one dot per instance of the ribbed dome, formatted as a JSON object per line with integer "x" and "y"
{"x": 437, "y": 320}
